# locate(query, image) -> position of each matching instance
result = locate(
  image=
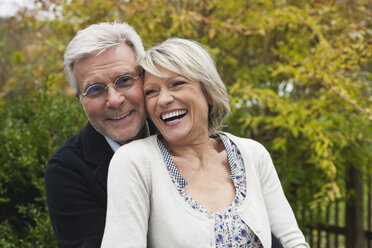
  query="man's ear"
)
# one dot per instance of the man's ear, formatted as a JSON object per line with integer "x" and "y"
{"x": 77, "y": 96}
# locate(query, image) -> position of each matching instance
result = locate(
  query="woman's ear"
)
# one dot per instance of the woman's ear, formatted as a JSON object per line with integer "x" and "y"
{"x": 209, "y": 100}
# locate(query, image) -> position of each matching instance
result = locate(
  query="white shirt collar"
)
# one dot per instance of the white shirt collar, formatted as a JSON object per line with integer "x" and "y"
{"x": 115, "y": 145}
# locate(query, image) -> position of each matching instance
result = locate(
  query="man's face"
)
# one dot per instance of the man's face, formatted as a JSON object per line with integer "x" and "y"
{"x": 120, "y": 116}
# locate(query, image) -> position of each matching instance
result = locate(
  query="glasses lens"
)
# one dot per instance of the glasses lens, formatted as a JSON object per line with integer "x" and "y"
{"x": 124, "y": 83}
{"x": 96, "y": 90}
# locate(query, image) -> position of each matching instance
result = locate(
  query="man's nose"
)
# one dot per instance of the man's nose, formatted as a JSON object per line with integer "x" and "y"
{"x": 114, "y": 98}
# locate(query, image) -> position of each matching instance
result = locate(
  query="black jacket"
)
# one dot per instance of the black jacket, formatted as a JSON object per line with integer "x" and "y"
{"x": 75, "y": 182}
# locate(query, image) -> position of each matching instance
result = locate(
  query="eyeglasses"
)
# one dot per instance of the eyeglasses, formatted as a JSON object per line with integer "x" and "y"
{"x": 122, "y": 83}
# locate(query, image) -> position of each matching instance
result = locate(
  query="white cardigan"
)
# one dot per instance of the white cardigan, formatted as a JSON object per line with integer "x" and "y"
{"x": 144, "y": 208}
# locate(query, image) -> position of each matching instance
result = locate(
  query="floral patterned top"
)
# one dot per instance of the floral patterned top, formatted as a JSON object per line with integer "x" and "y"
{"x": 230, "y": 230}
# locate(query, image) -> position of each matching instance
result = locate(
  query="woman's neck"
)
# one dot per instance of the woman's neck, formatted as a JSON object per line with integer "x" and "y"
{"x": 198, "y": 153}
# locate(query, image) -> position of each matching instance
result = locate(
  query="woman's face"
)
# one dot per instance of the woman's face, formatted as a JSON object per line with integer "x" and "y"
{"x": 177, "y": 106}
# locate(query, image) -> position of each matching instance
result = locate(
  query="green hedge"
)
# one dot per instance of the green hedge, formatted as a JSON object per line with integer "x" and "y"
{"x": 32, "y": 126}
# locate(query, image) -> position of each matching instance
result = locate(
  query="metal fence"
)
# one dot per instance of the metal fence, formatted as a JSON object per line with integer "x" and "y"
{"x": 327, "y": 227}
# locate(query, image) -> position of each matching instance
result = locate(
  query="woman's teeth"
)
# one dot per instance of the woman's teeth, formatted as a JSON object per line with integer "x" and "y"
{"x": 174, "y": 115}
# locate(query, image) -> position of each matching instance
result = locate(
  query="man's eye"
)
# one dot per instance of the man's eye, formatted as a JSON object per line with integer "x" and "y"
{"x": 124, "y": 82}
{"x": 95, "y": 90}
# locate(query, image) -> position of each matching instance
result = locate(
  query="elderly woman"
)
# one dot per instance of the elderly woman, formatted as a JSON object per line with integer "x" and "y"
{"x": 193, "y": 185}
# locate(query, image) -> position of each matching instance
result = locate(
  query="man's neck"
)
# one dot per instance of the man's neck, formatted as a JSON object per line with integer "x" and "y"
{"x": 115, "y": 145}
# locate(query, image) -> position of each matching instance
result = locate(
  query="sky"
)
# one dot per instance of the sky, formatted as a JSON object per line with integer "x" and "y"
{"x": 10, "y": 7}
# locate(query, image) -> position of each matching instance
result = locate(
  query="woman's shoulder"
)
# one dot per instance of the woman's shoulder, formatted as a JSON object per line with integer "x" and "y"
{"x": 245, "y": 143}
{"x": 255, "y": 155}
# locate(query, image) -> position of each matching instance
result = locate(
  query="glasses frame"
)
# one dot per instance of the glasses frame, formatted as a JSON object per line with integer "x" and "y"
{"x": 105, "y": 86}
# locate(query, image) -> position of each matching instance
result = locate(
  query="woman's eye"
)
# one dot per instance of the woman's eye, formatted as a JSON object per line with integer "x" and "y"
{"x": 178, "y": 83}
{"x": 150, "y": 93}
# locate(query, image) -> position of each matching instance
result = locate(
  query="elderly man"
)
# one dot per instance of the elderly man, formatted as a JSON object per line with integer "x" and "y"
{"x": 101, "y": 66}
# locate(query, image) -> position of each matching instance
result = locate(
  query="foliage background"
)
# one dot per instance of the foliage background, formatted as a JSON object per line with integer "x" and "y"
{"x": 299, "y": 77}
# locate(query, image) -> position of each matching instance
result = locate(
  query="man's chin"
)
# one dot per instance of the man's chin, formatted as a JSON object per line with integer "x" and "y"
{"x": 127, "y": 137}
{"x": 122, "y": 135}
{"x": 124, "y": 139}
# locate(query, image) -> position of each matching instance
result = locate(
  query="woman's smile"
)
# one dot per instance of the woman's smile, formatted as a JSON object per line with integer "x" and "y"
{"x": 173, "y": 116}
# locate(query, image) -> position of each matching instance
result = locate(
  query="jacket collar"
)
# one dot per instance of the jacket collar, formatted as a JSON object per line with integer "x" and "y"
{"x": 97, "y": 152}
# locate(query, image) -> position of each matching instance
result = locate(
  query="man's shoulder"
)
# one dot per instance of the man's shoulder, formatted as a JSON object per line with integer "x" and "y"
{"x": 87, "y": 145}
{"x": 73, "y": 145}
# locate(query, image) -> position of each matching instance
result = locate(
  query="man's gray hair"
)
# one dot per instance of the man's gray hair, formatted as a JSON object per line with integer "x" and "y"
{"x": 96, "y": 39}
{"x": 189, "y": 59}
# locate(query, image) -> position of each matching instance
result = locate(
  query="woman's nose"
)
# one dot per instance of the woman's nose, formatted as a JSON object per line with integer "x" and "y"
{"x": 165, "y": 97}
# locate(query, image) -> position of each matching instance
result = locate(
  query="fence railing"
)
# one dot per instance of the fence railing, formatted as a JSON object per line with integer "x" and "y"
{"x": 327, "y": 228}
